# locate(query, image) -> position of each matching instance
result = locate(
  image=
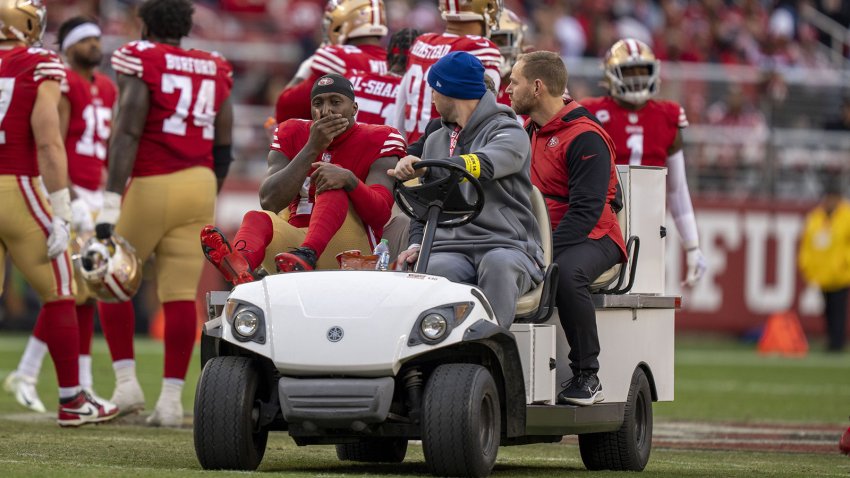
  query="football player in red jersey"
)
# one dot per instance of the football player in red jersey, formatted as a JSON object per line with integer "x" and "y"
{"x": 172, "y": 135}
{"x": 508, "y": 37}
{"x": 376, "y": 92}
{"x": 353, "y": 33}
{"x": 648, "y": 132}
{"x": 34, "y": 226}
{"x": 326, "y": 177}
{"x": 468, "y": 24}
{"x": 85, "y": 115}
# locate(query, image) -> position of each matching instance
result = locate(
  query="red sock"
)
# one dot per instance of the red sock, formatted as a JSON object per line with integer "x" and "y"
{"x": 181, "y": 325}
{"x": 85, "y": 319}
{"x": 118, "y": 321}
{"x": 253, "y": 236}
{"x": 328, "y": 214}
{"x": 61, "y": 333}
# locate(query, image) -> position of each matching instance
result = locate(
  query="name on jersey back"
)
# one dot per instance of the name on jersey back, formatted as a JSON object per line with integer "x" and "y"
{"x": 430, "y": 52}
{"x": 374, "y": 87}
{"x": 188, "y": 64}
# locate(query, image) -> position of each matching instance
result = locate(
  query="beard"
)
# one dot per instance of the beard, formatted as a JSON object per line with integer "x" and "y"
{"x": 520, "y": 106}
{"x": 90, "y": 60}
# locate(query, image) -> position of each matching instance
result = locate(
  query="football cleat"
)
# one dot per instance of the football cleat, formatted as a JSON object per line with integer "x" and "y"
{"x": 232, "y": 264}
{"x": 168, "y": 413}
{"x": 23, "y": 388}
{"x": 83, "y": 409}
{"x": 299, "y": 260}
{"x": 128, "y": 396}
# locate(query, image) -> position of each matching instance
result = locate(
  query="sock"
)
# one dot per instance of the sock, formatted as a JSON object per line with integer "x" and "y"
{"x": 328, "y": 214}
{"x": 68, "y": 393}
{"x": 85, "y": 317}
{"x": 181, "y": 326}
{"x": 63, "y": 342}
{"x": 253, "y": 236}
{"x": 118, "y": 322}
{"x": 172, "y": 390}
{"x": 86, "y": 380}
{"x": 125, "y": 370}
{"x": 30, "y": 364}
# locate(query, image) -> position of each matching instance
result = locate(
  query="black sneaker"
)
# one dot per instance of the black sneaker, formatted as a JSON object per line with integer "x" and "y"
{"x": 301, "y": 259}
{"x": 582, "y": 389}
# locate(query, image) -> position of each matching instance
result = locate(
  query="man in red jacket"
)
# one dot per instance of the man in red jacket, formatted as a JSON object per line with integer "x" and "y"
{"x": 572, "y": 163}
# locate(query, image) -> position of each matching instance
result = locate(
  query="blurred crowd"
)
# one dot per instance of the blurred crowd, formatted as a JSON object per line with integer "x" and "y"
{"x": 754, "y": 32}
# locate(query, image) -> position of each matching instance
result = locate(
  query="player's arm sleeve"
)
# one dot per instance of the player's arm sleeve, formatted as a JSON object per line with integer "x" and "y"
{"x": 126, "y": 62}
{"x": 491, "y": 58}
{"x": 679, "y": 201}
{"x": 589, "y": 165}
{"x": 325, "y": 61}
{"x": 373, "y": 200}
{"x": 294, "y": 102}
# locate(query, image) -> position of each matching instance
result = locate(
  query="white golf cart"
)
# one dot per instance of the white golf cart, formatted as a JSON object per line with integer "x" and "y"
{"x": 368, "y": 360}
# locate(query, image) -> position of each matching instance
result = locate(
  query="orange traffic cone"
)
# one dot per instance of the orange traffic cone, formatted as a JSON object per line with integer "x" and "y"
{"x": 783, "y": 335}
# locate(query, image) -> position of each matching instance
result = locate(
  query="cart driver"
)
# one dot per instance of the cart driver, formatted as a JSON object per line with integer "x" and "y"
{"x": 499, "y": 250}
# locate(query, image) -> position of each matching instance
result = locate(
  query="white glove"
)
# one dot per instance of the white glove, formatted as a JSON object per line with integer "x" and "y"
{"x": 60, "y": 234}
{"x": 108, "y": 215}
{"x": 81, "y": 217}
{"x": 696, "y": 266}
{"x": 60, "y": 231}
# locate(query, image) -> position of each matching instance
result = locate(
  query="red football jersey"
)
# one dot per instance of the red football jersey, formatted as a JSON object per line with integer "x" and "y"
{"x": 375, "y": 95}
{"x": 22, "y": 69}
{"x": 187, "y": 88}
{"x": 414, "y": 100}
{"x": 89, "y": 126}
{"x": 355, "y": 150}
{"x": 340, "y": 59}
{"x": 643, "y": 136}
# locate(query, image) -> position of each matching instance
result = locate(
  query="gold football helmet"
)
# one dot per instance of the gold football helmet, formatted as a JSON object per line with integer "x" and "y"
{"x": 632, "y": 71}
{"x": 22, "y": 20}
{"x": 487, "y": 11}
{"x": 110, "y": 269}
{"x": 508, "y": 37}
{"x": 346, "y": 19}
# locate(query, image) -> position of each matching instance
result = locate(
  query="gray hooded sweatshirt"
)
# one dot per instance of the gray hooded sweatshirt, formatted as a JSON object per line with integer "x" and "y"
{"x": 503, "y": 149}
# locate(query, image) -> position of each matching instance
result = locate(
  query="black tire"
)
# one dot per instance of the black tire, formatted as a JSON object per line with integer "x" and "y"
{"x": 378, "y": 450}
{"x": 225, "y": 416}
{"x": 628, "y": 448}
{"x": 461, "y": 421}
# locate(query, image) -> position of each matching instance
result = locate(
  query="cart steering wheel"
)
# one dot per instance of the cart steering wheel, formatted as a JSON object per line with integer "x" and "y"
{"x": 455, "y": 209}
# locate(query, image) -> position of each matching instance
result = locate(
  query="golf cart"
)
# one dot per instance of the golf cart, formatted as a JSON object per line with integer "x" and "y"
{"x": 368, "y": 360}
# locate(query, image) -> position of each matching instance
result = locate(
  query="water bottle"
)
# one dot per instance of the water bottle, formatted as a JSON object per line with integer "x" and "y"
{"x": 382, "y": 250}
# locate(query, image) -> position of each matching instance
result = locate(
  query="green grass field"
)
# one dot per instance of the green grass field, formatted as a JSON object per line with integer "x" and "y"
{"x": 716, "y": 381}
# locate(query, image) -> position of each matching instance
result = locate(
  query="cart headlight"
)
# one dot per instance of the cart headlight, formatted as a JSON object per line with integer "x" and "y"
{"x": 436, "y": 323}
{"x": 433, "y": 326}
{"x": 246, "y": 323}
{"x": 246, "y": 320}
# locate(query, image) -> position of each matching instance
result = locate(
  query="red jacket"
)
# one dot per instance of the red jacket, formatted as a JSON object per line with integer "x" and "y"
{"x": 572, "y": 164}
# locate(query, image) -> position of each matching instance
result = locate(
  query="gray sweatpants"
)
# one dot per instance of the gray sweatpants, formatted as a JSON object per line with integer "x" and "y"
{"x": 503, "y": 274}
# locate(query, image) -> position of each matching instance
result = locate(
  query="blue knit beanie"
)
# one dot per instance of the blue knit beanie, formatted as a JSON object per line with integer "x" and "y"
{"x": 458, "y": 75}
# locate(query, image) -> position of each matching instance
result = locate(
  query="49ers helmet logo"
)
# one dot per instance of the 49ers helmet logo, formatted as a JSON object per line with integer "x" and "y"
{"x": 325, "y": 81}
